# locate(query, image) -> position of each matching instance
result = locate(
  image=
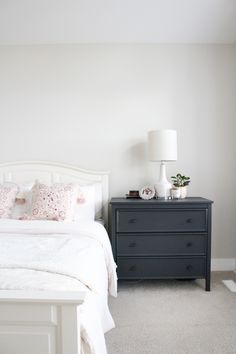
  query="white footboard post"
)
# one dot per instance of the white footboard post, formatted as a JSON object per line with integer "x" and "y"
{"x": 40, "y": 322}
{"x": 69, "y": 340}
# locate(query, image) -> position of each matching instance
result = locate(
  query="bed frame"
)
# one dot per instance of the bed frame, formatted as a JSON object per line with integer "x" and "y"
{"x": 46, "y": 322}
{"x": 40, "y": 322}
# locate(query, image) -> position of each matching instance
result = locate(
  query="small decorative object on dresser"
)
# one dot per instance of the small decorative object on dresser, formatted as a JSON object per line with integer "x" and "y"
{"x": 159, "y": 238}
{"x": 175, "y": 193}
{"x": 133, "y": 194}
{"x": 147, "y": 192}
{"x": 181, "y": 182}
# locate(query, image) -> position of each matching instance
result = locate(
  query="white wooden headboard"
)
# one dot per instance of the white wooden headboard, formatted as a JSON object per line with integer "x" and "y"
{"x": 51, "y": 172}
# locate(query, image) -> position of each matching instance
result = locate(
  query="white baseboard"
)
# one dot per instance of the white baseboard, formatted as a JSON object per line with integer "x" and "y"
{"x": 223, "y": 264}
{"x": 230, "y": 284}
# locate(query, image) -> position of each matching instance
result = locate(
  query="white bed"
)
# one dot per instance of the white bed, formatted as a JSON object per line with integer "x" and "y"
{"x": 48, "y": 268}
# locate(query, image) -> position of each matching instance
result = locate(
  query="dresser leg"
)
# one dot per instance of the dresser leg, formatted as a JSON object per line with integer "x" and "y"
{"x": 208, "y": 284}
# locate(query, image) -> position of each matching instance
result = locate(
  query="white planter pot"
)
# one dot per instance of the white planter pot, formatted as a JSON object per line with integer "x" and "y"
{"x": 183, "y": 192}
{"x": 175, "y": 193}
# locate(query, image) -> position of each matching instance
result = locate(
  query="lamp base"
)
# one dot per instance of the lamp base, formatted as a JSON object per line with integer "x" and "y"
{"x": 163, "y": 186}
{"x": 163, "y": 190}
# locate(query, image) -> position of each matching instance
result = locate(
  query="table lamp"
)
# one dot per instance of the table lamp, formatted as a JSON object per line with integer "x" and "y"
{"x": 162, "y": 146}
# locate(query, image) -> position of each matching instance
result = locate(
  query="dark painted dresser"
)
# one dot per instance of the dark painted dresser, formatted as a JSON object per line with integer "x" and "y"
{"x": 159, "y": 239}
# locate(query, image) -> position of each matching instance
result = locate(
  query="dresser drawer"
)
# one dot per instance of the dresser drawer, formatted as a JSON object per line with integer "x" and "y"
{"x": 131, "y": 268}
{"x": 160, "y": 244}
{"x": 161, "y": 220}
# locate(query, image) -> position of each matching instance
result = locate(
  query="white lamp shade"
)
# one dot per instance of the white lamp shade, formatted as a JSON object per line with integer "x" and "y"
{"x": 162, "y": 145}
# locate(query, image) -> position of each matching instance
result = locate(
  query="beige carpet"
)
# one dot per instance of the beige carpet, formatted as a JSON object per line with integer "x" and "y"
{"x": 174, "y": 317}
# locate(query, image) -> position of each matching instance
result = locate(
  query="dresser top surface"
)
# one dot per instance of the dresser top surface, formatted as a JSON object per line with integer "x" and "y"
{"x": 132, "y": 201}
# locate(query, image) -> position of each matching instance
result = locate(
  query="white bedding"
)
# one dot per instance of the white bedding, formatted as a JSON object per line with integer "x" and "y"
{"x": 50, "y": 255}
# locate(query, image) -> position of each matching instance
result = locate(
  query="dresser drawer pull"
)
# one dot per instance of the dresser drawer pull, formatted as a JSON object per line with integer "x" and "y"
{"x": 189, "y": 220}
{"x": 189, "y": 267}
{"x": 132, "y": 221}
{"x": 132, "y": 268}
{"x": 132, "y": 244}
{"x": 189, "y": 244}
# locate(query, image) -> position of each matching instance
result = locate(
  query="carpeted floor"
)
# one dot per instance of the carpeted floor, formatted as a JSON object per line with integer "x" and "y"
{"x": 174, "y": 317}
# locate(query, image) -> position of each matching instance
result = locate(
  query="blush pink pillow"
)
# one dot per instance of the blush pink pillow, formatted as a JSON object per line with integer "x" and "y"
{"x": 7, "y": 199}
{"x": 56, "y": 202}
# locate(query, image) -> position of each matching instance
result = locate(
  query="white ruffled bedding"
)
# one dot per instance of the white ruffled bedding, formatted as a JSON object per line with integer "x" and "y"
{"x": 50, "y": 255}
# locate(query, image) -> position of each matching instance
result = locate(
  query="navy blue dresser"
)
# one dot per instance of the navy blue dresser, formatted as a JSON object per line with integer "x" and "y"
{"x": 160, "y": 239}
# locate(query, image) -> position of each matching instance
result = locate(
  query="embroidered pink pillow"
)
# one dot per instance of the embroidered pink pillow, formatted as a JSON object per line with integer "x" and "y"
{"x": 56, "y": 202}
{"x": 7, "y": 199}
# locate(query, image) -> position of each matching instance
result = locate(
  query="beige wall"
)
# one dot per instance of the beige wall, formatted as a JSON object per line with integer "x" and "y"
{"x": 92, "y": 105}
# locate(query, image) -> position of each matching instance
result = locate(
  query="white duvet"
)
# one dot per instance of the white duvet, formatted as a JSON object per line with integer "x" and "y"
{"x": 50, "y": 255}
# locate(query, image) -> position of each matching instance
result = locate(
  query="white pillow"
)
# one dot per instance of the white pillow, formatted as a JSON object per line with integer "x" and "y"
{"x": 85, "y": 206}
{"x": 23, "y": 200}
{"x": 8, "y": 193}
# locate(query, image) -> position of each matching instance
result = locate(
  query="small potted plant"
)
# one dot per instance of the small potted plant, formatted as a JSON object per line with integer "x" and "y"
{"x": 181, "y": 182}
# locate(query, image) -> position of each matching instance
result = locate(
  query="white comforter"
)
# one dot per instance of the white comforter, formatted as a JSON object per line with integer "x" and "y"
{"x": 49, "y": 255}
